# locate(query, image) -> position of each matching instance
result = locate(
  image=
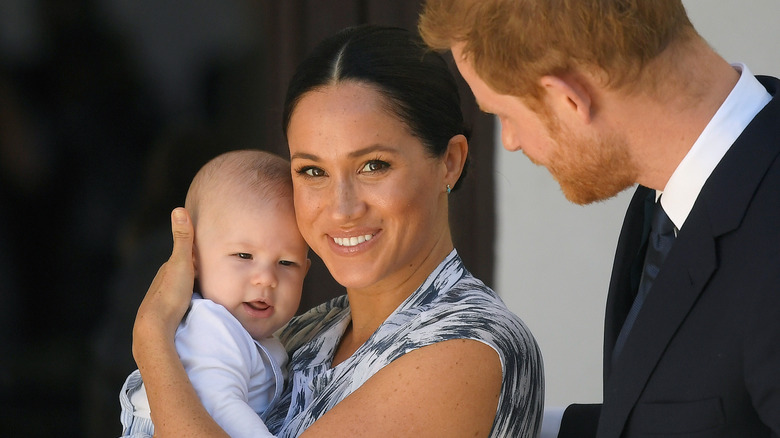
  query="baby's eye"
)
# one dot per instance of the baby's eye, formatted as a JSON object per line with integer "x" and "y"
{"x": 244, "y": 255}
{"x": 286, "y": 263}
{"x": 374, "y": 166}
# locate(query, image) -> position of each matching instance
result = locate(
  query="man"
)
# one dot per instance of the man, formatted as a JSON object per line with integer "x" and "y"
{"x": 607, "y": 94}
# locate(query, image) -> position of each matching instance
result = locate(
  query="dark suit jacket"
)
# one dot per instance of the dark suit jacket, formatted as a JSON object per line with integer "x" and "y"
{"x": 703, "y": 358}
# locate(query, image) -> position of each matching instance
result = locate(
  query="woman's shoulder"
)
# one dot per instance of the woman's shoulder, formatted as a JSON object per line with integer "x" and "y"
{"x": 470, "y": 309}
{"x": 453, "y": 304}
{"x": 453, "y": 293}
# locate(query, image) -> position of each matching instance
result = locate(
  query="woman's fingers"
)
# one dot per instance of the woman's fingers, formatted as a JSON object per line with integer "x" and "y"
{"x": 181, "y": 227}
{"x": 172, "y": 287}
{"x": 177, "y": 275}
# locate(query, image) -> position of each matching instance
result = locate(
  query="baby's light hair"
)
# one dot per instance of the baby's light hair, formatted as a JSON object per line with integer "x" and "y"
{"x": 262, "y": 175}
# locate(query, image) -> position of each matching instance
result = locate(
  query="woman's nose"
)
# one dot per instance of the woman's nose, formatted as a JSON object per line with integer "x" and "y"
{"x": 347, "y": 203}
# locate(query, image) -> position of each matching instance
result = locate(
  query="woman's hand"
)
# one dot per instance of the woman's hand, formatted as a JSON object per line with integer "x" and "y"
{"x": 168, "y": 297}
{"x": 176, "y": 408}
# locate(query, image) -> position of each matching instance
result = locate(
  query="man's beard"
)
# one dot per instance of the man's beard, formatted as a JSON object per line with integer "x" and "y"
{"x": 589, "y": 169}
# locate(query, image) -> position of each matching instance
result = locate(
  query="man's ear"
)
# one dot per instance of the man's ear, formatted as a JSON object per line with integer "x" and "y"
{"x": 568, "y": 96}
{"x": 455, "y": 159}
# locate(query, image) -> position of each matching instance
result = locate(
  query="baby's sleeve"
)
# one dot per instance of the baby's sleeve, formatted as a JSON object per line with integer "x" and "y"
{"x": 219, "y": 357}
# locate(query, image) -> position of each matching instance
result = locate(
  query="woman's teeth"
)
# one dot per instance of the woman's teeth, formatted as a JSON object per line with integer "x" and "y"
{"x": 352, "y": 241}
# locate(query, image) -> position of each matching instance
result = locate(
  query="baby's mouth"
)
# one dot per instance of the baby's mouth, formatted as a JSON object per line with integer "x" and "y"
{"x": 258, "y": 305}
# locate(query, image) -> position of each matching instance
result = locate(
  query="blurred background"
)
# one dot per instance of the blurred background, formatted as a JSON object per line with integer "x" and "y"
{"x": 107, "y": 110}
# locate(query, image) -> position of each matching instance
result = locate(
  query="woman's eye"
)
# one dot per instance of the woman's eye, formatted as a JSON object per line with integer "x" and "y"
{"x": 312, "y": 171}
{"x": 374, "y": 166}
{"x": 244, "y": 255}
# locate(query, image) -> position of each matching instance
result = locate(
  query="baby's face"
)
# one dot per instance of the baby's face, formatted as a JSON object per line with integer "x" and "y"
{"x": 251, "y": 259}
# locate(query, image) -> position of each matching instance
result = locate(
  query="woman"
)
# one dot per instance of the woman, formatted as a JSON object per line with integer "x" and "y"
{"x": 418, "y": 346}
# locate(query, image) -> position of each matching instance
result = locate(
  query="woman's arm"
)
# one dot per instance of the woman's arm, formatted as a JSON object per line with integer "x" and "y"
{"x": 448, "y": 389}
{"x": 176, "y": 408}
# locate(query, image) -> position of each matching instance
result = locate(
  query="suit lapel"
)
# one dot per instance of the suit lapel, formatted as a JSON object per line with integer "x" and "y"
{"x": 626, "y": 268}
{"x": 671, "y": 298}
{"x": 688, "y": 268}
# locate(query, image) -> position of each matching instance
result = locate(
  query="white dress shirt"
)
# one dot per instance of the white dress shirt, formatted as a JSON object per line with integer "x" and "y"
{"x": 740, "y": 107}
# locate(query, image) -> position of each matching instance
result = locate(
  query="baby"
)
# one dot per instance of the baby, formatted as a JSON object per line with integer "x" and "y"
{"x": 250, "y": 261}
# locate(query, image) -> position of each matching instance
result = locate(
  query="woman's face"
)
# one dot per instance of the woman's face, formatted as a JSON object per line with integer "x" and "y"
{"x": 369, "y": 199}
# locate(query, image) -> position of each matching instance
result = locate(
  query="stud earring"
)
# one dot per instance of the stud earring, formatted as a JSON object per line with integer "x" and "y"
{"x": 449, "y": 189}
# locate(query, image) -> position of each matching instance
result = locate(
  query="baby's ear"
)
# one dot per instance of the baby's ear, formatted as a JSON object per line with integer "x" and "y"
{"x": 308, "y": 265}
{"x": 195, "y": 258}
{"x": 196, "y": 266}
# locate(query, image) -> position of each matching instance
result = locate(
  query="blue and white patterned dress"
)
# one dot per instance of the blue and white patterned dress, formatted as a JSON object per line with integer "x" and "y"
{"x": 450, "y": 304}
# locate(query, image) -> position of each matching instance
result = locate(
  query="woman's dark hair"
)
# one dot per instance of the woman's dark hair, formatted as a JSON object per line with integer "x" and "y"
{"x": 416, "y": 81}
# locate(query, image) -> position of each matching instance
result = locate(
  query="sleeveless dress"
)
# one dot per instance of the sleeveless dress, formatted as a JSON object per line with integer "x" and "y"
{"x": 450, "y": 304}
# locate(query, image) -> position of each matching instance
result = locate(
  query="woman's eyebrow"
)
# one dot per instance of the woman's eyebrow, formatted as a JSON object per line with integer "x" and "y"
{"x": 304, "y": 156}
{"x": 354, "y": 154}
{"x": 369, "y": 149}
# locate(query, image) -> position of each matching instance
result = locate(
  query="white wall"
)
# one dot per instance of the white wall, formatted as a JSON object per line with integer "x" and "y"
{"x": 554, "y": 258}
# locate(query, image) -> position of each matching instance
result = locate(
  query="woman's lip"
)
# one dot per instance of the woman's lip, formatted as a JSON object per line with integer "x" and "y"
{"x": 352, "y": 243}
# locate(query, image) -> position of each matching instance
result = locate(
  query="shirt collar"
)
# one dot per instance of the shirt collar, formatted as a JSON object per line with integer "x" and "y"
{"x": 740, "y": 107}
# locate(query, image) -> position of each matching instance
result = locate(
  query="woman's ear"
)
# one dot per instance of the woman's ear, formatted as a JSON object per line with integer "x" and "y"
{"x": 455, "y": 159}
{"x": 568, "y": 96}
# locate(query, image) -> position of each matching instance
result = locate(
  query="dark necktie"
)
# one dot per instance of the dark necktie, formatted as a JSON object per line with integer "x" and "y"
{"x": 659, "y": 243}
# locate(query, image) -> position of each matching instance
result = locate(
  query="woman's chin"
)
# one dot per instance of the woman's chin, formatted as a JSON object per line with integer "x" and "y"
{"x": 352, "y": 277}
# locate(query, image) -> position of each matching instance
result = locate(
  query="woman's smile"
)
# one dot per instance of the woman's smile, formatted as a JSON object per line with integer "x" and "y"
{"x": 352, "y": 241}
